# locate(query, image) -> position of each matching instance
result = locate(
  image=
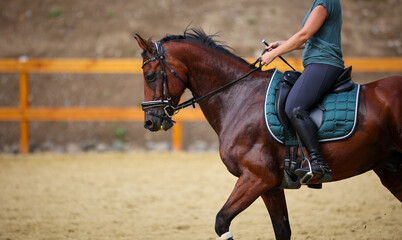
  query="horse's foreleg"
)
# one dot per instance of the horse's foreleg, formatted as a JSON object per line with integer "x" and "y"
{"x": 247, "y": 189}
{"x": 276, "y": 204}
{"x": 392, "y": 181}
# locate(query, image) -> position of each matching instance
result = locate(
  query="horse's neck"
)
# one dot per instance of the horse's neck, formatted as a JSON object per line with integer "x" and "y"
{"x": 216, "y": 71}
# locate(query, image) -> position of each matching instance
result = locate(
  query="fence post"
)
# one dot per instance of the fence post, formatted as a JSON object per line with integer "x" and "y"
{"x": 177, "y": 136}
{"x": 24, "y": 126}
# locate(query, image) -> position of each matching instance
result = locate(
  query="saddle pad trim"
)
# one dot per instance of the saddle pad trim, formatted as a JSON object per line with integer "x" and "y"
{"x": 278, "y": 74}
{"x": 265, "y": 104}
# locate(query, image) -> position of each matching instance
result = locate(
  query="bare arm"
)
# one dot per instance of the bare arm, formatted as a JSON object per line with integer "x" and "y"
{"x": 276, "y": 44}
{"x": 297, "y": 41}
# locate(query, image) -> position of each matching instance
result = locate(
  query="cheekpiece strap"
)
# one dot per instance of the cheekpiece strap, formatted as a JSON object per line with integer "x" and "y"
{"x": 160, "y": 54}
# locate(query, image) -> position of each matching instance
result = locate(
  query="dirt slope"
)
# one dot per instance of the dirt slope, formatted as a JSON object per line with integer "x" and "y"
{"x": 105, "y": 29}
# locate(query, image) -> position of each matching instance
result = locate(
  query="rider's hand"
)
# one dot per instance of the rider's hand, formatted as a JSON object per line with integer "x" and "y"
{"x": 273, "y": 45}
{"x": 267, "y": 58}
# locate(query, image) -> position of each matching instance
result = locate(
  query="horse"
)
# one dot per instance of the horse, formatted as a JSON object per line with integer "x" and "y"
{"x": 207, "y": 68}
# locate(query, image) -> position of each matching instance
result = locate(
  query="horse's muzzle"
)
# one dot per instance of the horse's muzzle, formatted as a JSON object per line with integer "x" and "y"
{"x": 157, "y": 121}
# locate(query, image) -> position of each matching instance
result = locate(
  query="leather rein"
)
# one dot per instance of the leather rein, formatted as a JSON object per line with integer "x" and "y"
{"x": 167, "y": 104}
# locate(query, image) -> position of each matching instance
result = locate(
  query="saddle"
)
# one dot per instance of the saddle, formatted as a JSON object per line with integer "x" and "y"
{"x": 293, "y": 161}
{"x": 344, "y": 83}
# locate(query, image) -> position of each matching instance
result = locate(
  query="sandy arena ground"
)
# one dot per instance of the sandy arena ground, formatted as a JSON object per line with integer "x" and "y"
{"x": 165, "y": 196}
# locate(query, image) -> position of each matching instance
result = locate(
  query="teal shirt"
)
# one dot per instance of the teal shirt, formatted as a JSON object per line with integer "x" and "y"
{"x": 325, "y": 45}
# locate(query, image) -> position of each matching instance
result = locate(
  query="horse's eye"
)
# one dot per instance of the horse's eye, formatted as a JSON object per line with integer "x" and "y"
{"x": 150, "y": 77}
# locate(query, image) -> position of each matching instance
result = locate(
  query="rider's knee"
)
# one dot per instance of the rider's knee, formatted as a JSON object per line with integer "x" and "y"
{"x": 297, "y": 112}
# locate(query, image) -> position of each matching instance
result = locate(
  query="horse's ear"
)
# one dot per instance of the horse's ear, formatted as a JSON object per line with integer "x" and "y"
{"x": 144, "y": 44}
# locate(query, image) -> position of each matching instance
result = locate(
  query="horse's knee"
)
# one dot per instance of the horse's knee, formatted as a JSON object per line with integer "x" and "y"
{"x": 222, "y": 223}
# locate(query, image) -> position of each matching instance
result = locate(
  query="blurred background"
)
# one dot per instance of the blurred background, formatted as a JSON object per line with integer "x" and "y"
{"x": 139, "y": 192}
{"x": 104, "y": 29}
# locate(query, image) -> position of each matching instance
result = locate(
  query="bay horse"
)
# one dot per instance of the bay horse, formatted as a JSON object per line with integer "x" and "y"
{"x": 196, "y": 61}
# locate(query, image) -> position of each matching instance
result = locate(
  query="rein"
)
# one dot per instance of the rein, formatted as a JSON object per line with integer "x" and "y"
{"x": 193, "y": 101}
{"x": 168, "y": 104}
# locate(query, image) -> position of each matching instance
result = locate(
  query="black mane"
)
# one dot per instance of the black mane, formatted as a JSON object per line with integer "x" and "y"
{"x": 197, "y": 35}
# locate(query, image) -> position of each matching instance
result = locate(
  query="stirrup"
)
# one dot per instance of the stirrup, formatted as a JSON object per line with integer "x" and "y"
{"x": 323, "y": 176}
{"x": 309, "y": 175}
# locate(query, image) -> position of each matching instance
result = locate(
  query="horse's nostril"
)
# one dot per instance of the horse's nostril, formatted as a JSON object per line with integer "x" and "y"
{"x": 148, "y": 123}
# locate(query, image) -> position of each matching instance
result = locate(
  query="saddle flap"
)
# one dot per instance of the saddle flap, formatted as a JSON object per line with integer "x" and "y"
{"x": 344, "y": 82}
{"x": 284, "y": 86}
{"x": 317, "y": 116}
{"x": 280, "y": 101}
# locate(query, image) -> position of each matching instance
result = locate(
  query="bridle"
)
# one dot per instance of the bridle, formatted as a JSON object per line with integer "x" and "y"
{"x": 167, "y": 104}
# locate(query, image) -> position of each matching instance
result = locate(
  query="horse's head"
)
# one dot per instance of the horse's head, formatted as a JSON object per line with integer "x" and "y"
{"x": 163, "y": 86}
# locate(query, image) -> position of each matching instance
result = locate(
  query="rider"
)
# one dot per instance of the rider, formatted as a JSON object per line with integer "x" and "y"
{"x": 320, "y": 37}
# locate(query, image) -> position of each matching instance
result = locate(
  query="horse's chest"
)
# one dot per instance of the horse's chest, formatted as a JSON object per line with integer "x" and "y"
{"x": 232, "y": 166}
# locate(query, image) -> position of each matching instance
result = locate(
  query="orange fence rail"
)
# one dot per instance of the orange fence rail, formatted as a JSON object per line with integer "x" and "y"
{"x": 24, "y": 114}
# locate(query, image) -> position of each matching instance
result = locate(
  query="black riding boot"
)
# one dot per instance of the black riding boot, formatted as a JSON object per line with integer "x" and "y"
{"x": 307, "y": 131}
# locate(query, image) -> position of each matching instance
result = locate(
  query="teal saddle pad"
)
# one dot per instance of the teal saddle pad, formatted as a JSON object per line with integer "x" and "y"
{"x": 340, "y": 115}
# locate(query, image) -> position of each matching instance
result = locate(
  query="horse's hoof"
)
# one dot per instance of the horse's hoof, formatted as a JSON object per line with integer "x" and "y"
{"x": 225, "y": 236}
